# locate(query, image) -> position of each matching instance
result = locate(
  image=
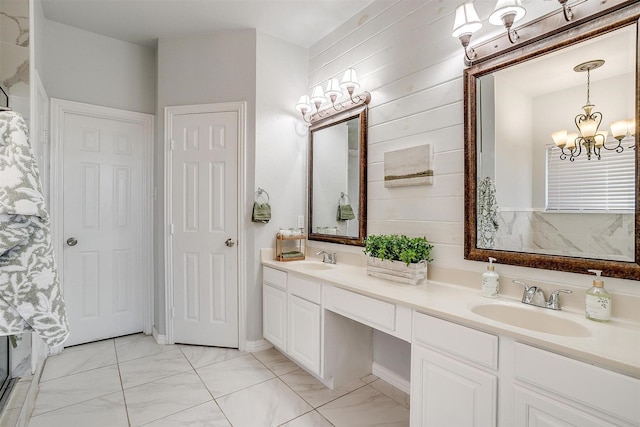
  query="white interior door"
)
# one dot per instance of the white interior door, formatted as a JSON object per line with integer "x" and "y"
{"x": 103, "y": 276}
{"x": 204, "y": 224}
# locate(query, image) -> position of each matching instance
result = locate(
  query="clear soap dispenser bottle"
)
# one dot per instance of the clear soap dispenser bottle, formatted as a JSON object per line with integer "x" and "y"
{"x": 598, "y": 301}
{"x": 490, "y": 286}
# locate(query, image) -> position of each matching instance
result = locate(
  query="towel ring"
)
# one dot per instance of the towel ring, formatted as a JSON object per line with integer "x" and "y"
{"x": 260, "y": 192}
{"x": 345, "y": 197}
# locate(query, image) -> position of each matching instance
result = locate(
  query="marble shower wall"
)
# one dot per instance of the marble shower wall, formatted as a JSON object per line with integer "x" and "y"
{"x": 14, "y": 52}
{"x": 589, "y": 235}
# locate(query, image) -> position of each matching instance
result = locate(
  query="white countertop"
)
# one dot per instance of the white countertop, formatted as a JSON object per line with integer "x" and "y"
{"x": 614, "y": 345}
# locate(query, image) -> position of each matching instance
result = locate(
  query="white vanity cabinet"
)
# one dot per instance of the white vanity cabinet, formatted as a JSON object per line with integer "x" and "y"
{"x": 553, "y": 390}
{"x": 453, "y": 374}
{"x": 460, "y": 376}
{"x": 274, "y": 307}
{"x": 292, "y": 317}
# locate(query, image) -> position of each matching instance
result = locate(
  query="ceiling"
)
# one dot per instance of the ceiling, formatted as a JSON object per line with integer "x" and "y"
{"x": 553, "y": 72}
{"x": 302, "y": 22}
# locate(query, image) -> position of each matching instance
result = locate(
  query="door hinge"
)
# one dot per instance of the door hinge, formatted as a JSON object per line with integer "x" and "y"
{"x": 45, "y": 136}
{"x": 172, "y": 145}
{"x": 173, "y": 312}
{"x": 171, "y": 229}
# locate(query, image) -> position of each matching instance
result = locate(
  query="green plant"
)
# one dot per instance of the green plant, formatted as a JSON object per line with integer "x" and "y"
{"x": 396, "y": 247}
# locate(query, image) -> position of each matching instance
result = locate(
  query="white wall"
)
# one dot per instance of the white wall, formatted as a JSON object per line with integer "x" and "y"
{"x": 281, "y": 148}
{"x": 405, "y": 56}
{"x": 513, "y": 146}
{"x": 87, "y": 67}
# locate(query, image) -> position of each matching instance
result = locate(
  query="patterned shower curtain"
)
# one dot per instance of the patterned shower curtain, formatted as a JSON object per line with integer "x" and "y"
{"x": 30, "y": 295}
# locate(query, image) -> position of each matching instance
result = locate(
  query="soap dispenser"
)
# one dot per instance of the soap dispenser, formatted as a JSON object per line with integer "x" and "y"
{"x": 598, "y": 301}
{"x": 490, "y": 286}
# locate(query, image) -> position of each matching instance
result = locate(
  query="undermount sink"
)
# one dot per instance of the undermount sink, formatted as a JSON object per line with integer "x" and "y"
{"x": 532, "y": 318}
{"x": 308, "y": 265}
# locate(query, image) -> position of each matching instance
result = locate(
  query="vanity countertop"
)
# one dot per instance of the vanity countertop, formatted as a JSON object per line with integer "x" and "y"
{"x": 614, "y": 345}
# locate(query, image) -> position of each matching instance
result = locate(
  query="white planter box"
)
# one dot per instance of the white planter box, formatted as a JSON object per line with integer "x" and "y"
{"x": 397, "y": 271}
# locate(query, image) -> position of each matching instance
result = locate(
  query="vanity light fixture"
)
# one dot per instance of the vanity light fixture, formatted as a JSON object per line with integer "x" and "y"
{"x": 588, "y": 123}
{"x": 306, "y": 104}
{"x": 566, "y": 10}
{"x": 466, "y": 23}
{"x": 508, "y": 12}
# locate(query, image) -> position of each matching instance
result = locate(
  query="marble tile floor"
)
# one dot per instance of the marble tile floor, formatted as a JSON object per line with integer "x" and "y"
{"x": 132, "y": 381}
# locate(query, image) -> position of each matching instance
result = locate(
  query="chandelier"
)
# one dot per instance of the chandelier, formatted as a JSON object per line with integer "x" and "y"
{"x": 589, "y": 136}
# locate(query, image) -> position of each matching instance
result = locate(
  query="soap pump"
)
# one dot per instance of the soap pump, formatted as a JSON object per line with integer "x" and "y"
{"x": 598, "y": 300}
{"x": 490, "y": 286}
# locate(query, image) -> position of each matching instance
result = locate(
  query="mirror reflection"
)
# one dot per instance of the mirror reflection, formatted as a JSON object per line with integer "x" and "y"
{"x": 336, "y": 161}
{"x": 336, "y": 181}
{"x": 554, "y": 196}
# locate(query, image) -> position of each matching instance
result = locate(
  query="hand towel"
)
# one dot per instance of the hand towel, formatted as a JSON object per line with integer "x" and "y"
{"x": 292, "y": 254}
{"x": 261, "y": 212}
{"x": 30, "y": 294}
{"x": 345, "y": 212}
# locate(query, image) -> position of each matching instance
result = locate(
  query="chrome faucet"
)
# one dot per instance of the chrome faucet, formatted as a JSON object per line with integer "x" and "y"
{"x": 327, "y": 257}
{"x": 535, "y": 296}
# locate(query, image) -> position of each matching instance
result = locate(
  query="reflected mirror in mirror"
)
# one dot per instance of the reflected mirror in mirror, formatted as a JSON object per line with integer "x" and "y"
{"x": 336, "y": 181}
{"x": 533, "y": 198}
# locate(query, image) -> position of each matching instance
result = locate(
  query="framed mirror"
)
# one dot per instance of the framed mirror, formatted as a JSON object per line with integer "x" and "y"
{"x": 531, "y": 202}
{"x": 338, "y": 177}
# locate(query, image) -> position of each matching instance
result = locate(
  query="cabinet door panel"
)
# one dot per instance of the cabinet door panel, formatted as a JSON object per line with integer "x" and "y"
{"x": 534, "y": 410}
{"x": 275, "y": 316}
{"x": 445, "y": 392}
{"x": 304, "y": 333}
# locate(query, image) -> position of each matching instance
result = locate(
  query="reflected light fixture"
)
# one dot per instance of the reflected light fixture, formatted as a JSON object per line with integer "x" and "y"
{"x": 508, "y": 12}
{"x": 466, "y": 23}
{"x": 588, "y": 123}
{"x": 349, "y": 83}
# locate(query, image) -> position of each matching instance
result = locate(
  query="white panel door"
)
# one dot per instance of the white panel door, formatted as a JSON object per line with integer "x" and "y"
{"x": 204, "y": 198}
{"x": 103, "y": 223}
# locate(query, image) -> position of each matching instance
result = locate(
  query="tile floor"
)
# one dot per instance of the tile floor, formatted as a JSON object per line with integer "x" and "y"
{"x": 132, "y": 381}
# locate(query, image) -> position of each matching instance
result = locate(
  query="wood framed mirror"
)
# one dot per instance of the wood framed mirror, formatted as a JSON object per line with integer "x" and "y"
{"x": 338, "y": 177}
{"x": 513, "y": 103}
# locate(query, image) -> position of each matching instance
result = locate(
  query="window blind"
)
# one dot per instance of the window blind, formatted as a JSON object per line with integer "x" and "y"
{"x": 598, "y": 185}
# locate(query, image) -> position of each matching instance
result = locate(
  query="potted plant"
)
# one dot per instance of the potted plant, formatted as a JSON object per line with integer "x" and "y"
{"x": 398, "y": 257}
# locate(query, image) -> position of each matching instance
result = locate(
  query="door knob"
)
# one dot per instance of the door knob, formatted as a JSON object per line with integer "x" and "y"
{"x": 72, "y": 241}
{"x": 229, "y": 242}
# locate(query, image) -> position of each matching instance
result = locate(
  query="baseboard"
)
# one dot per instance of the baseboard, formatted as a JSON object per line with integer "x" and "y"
{"x": 160, "y": 339}
{"x": 391, "y": 377}
{"x": 255, "y": 346}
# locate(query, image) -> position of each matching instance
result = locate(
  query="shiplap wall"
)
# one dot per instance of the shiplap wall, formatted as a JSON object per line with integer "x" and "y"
{"x": 405, "y": 56}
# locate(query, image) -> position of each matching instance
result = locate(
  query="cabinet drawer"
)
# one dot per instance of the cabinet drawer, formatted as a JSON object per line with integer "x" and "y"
{"x": 311, "y": 291}
{"x": 274, "y": 277}
{"x": 467, "y": 343}
{"x": 614, "y": 394}
{"x": 381, "y": 315}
